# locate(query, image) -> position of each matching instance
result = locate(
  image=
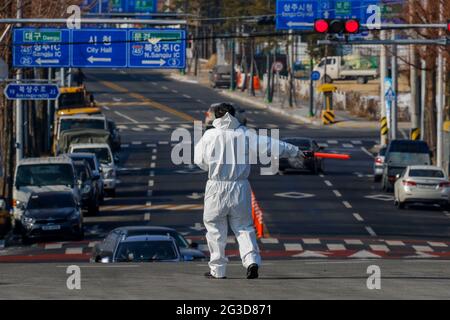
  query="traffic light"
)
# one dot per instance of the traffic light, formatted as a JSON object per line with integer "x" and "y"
{"x": 448, "y": 26}
{"x": 337, "y": 26}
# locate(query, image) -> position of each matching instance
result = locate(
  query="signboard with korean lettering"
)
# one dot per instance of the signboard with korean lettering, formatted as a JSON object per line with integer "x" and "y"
{"x": 41, "y": 48}
{"x": 99, "y": 48}
{"x": 292, "y": 14}
{"x": 31, "y": 92}
{"x": 157, "y": 48}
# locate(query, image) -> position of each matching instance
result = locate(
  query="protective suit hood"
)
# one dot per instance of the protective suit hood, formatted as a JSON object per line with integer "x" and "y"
{"x": 226, "y": 122}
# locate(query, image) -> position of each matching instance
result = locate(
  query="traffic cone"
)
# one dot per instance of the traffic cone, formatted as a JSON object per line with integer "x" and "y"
{"x": 257, "y": 215}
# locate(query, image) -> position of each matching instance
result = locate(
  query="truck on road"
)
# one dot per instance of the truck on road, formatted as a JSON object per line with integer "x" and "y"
{"x": 339, "y": 68}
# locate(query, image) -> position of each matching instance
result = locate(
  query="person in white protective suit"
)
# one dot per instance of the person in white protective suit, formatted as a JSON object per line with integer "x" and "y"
{"x": 228, "y": 192}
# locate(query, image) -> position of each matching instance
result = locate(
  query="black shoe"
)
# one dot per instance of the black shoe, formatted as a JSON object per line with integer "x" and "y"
{"x": 208, "y": 275}
{"x": 252, "y": 271}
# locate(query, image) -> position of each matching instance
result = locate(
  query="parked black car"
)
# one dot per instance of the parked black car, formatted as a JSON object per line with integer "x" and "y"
{"x": 220, "y": 76}
{"x": 115, "y": 136}
{"x": 310, "y": 163}
{"x": 106, "y": 251}
{"x": 89, "y": 187}
{"x": 401, "y": 154}
{"x": 95, "y": 166}
{"x": 49, "y": 214}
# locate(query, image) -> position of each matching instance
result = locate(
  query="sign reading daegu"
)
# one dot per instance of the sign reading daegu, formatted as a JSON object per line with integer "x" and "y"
{"x": 157, "y": 48}
{"x": 32, "y": 92}
{"x": 41, "y": 48}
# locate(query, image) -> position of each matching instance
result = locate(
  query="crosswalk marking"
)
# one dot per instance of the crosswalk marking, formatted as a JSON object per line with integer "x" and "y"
{"x": 336, "y": 247}
{"x": 395, "y": 243}
{"x": 358, "y": 142}
{"x": 74, "y": 251}
{"x": 293, "y": 247}
{"x": 143, "y": 126}
{"x": 379, "y": 247}
{"x": 50, "y": 246}
{"x": 311, "y": 241}
{"x": 437, "y": 244}
{"x": 347, "y": 145}
{"x": 423, "y": 248}
{"x": 332, "y": 142}
{"x": 269, "y": 240}
{"x": 353, "y": 242}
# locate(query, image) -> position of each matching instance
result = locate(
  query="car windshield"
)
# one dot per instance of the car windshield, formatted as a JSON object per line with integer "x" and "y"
{"x": 179, "y": 239}
{"x": 80, "y": 169}
{"x": 69, "y": 124}
{"x": 71, "y": 100}
{"x": 45, "y": 175}
{"x": 426, "y": 173}
{"x": 51, "y": 201}
{"x": 408, "y": 159}
{"x": 301, "y": 143}
{"x": 145, "y": 251}
{"x": 102, "y": 154}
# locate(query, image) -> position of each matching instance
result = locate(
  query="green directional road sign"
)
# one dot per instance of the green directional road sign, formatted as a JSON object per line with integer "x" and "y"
{"x": 42, "y": 36}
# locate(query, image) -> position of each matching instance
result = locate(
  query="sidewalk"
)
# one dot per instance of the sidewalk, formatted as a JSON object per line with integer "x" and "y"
{"x": 300, "y": 114}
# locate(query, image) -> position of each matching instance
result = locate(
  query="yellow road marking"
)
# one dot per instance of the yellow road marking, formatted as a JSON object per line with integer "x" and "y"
{"x": 150, "y": 102}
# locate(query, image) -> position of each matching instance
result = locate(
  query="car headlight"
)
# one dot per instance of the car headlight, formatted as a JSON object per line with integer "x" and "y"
{"x": 86, "y": 189}
{"x": 110, "y": 174}
{"x": 28, "y": 220}
{"x": 75, "y": 215}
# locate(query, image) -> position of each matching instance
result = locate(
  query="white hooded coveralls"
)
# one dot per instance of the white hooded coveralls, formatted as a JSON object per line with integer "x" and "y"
{"x": 228, "y": 192}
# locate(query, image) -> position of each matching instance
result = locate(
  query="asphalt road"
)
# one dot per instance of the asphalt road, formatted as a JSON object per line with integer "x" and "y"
{"x": 335, "y": 215}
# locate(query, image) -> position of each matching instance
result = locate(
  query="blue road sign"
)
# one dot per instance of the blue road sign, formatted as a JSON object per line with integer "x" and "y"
{"x": 32, "y": 92}
{"x": 41, "y": 48}
{"x": 291, "y": 13}
{"x": 315, "y": 75}
{"x": 157, "y": 49}
{"x": 99, "y": 48}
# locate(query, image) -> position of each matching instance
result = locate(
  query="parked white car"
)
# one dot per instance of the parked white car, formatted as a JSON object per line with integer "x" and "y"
{"x": 36, "y": 175}
{"x": 422, "y": 184}
{"x": 107, "y": 163}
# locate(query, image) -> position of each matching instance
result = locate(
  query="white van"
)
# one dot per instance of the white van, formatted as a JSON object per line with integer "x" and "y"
{"x": 41, "y": 175}
{"x": 107, "y": 162}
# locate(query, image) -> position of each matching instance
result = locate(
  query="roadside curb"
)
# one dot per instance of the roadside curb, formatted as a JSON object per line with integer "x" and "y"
{"x": 265, "y": 106}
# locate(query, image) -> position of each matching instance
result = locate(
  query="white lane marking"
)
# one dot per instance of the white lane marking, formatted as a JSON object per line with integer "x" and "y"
{"x": 358, "y": 217}
{"x": 323, "y": 145}
{"x": 332, "y": 142}
{"x": 186, "y": 126}
{"x": 311, "y": 241}
{"x": 201, "y": 101}
{"x": 165, "y": 126}
{"x": 151, "y": 183}
{"x": 106, "y": 108}
{"x": 293, "y": 247}
{"x": 93, "y": 244}
{"x": 136, "y": 143}
{"x": 152, "y": 173}
{"x": 353, "y": 242}
{"x": 187, "y": 96}
{"x": 437, "y": 244}
{"x": 356, "y": 141}
{"x": 143, "y": 126}
{"x": 379, "y": 247}
{"x": 174, "y": 91}
{"x": 152, "y": 165}
{"x": 125, "y": 117}
{"x": 337, "y": 193}
{"x": 336, "y": 247}
{"x": 148, "y": 204}
{"x": 159, "y": 129}
{"x": 231, "y": 239}
{"x": 154, "y": 151}
{"x": 371, "y": 232}
{"x": 163, "y": 142}
{"x": 322, "y": 175}
{"x": 328, "y": 183}
{"x": 151, "y": 145}
{"x": 154, "y": 83}
{"x": 125, "y": 146}
{"x": 269, "y": 240}
{"x": 51, "y": 246}
{"x": 347, "y": 145}
{"x": 74, "y": 250}
{"x": 150, "y": 193}
{"x": 423, "y": 248}
{"x": 147, "y": 217}
{"x": 153, "y": 158}
{"x": 137, "y": 129}
{"x": 347, "y": 204}
{"x": 395, "y": 243}
{"x": 367, "y": 152}
{"x": 164, "y": 88}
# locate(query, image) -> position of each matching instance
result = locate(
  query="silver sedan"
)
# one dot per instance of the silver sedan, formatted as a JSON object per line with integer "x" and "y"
{"x": 422, "y": 184}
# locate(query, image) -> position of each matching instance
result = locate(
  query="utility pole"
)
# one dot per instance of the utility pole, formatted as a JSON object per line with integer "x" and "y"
{"x": 394, "y": 68}
{"x": 423, "y": 98}
{"x": 414, "y": 105}
{"x": 233, "y": 64}
{"x": 19, "y": 106}
{"x": 383, "y": 75}
{"x": 440, "y": 96}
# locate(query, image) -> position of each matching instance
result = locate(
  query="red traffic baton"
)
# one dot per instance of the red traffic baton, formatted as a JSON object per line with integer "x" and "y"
{"x": 332, "y": 156}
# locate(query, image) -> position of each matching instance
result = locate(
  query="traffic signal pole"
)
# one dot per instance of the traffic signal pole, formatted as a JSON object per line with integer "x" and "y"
{"x": 383, "y": 75}
{"x": 19, "y": 106}
{"x": 394, "y": 107}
